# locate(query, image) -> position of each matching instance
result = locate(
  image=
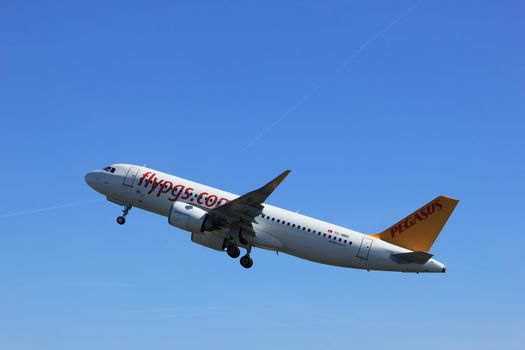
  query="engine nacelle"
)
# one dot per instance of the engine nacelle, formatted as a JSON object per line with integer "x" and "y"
{"x": 190, "y": 218}
{"x": 210, "y": 240}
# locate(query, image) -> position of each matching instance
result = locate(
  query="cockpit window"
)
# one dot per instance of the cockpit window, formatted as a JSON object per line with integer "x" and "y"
{"x": 112, "y": 170}
{"x": 108, "y": 168}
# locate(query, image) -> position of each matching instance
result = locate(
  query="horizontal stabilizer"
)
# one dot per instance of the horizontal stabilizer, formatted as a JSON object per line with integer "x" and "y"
{"x": 414, "y": 257}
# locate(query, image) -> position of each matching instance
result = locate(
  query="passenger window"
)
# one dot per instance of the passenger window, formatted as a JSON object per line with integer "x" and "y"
{"x": 293, "y": 225}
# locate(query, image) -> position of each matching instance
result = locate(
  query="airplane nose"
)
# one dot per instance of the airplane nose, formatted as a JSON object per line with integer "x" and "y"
{"x": 91, "y": 179}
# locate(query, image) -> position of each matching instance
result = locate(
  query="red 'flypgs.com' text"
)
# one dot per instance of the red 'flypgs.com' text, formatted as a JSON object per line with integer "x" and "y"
{"x": 178, "y": 191}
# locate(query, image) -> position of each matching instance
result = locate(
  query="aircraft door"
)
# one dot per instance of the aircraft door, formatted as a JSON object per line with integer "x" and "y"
{"x": 129, "y": 180}
{"x": 364, "y": 249}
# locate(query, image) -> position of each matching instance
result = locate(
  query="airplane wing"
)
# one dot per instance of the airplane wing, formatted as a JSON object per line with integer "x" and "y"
{"x": 244, "y": 209}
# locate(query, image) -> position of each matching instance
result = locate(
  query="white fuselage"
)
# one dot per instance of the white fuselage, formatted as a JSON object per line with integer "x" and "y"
{"x": 276, "y": 229}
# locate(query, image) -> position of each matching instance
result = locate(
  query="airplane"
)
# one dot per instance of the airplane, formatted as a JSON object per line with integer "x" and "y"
{"x": 226, "y": 222}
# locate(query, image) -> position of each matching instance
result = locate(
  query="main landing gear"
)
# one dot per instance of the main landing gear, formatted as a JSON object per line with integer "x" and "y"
{"x": 234, "y": 252}
{"x": 246, "y": 261}
{"x": 122, "y": 219}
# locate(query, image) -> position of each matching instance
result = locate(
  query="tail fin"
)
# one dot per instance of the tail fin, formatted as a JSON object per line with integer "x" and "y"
{"x": 419, "y": 230}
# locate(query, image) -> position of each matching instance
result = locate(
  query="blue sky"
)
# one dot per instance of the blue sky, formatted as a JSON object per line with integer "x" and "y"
{"x": 430, "y": 103}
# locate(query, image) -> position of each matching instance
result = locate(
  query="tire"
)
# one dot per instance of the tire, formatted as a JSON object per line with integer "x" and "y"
{"x": 121, "y": 220}
{"x": 233, "y": 251}
{"x": 246, "y": 262}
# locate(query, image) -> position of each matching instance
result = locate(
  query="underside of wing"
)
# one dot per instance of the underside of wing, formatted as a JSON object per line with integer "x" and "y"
{"x": 244, "y": 209}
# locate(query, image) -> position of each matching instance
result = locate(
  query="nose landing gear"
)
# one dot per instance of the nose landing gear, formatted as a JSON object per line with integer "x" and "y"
{"x": 121, "y": 220}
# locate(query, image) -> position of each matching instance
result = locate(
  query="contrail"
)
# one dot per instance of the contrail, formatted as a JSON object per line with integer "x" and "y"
{"x": 179, "y": 310}
{"x": 334, "y": 73}
{"x": 32, "y": 211}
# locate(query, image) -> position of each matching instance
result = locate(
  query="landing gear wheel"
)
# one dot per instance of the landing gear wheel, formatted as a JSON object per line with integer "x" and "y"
{"x": 121, "y": 220}
{"x": 233, "y": 251}
{"x": 246, "y": 262}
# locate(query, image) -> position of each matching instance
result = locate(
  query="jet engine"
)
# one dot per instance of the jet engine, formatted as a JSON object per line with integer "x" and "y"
{"x": 210, "y": 240}
{"x": 190, "y": 218}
